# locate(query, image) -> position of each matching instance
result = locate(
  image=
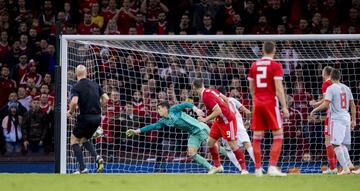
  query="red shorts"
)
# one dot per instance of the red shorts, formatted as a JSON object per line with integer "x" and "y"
{"x": 266, "y": 117}
{"x": 326, "y": 127}
{"x": 226, "y": 131}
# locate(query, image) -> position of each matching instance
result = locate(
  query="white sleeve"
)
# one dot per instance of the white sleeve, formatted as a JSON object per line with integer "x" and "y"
{"x": 351, "y": 97}
{"x": 329, "y": 94}
{"x": 238, "y": 104}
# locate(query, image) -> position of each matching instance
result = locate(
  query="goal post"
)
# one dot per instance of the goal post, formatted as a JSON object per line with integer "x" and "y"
{"x": 124, "y": 64}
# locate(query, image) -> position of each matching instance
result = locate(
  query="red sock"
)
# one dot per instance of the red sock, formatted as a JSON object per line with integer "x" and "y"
{"x": 214, "y": 151}
{"x": 241, "y": 158}
{"x": 331, "y": 156}
{"x": 276, "y": 149}
{"x": 257, "y": 150}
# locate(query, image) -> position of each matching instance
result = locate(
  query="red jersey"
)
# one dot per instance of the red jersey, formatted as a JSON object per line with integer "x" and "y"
{"x": 293, "y": 123}
{"x": 7, "y": 86}
{"x": 51, "y": 99}
{"x": 325, "y": 85}
{"x": 139, "y": 108}
{"x": 86, "y": 29}
{"x": 124, "y": 21}
{"x": 45, "y": 108}
{"x": 4, "y": 48}
{"x": 108, "y": 14}
{"x": 211, "y": 99}
{"x": 264, "y": 72}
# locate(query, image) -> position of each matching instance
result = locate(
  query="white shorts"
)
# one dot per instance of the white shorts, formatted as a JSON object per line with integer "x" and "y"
{"x": 241, "y": 134}
{"x": 340, "y": 132}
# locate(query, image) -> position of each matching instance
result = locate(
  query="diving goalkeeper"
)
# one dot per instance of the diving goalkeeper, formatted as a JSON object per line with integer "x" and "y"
{"x": 175, "y": 117}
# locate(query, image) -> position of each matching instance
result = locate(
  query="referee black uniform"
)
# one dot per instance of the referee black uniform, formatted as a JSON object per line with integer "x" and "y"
{"x": 89, "y": 94}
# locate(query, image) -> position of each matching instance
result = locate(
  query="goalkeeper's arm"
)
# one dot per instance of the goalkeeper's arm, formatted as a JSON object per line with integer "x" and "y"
{"x": 184, "y": 105}
{"x": 155, "y": 126}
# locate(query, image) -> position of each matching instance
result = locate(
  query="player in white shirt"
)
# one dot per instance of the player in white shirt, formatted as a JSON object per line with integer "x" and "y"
{"x": 339, "y": 98}
{"x": 242, "y": 135}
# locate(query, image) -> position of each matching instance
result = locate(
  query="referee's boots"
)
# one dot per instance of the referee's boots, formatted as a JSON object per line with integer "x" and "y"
{"x": 99, "y": 164}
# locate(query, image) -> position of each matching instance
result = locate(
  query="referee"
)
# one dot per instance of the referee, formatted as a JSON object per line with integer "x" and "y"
{"x": 87, "y": 95}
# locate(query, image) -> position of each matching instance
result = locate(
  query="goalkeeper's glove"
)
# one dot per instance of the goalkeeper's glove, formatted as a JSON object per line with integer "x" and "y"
{"x": 132, "y": 132}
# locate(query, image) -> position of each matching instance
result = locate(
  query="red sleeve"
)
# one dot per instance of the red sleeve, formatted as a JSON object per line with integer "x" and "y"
{"x": 278, "y": 71}
{"x": 251, "y": 73}
{"x": 209, "y": 100}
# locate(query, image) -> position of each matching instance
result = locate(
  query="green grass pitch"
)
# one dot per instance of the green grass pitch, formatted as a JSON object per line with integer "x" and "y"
{"x": 174, "y": 182}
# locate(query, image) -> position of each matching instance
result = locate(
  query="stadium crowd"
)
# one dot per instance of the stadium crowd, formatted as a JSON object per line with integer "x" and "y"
{"x": 136, "y": 82}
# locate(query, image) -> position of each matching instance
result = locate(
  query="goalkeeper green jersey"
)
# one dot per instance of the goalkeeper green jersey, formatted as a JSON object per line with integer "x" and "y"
{"x": 178, "y": 119}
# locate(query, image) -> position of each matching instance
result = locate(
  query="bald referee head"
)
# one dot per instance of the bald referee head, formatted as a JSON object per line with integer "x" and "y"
{"x": 80, "y": 72}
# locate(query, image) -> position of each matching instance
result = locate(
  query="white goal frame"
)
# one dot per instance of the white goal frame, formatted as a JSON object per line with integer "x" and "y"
{"x": 64, "y": 61}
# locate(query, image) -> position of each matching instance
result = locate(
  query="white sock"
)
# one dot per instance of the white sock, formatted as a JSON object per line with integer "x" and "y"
{"x": 250, "y": 150}
{"x": 233, "y": 159}
{"x": 346, "y": 155}
{"x": 340, "y": 156}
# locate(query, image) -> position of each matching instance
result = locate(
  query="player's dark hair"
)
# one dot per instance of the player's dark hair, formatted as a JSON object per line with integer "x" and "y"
{"x": 269, "y": 47}
{"x": 335, "y": 75}
{"x": 198, "y": 83}
{"x": 327, "y": 70}
{"x": 164, "y": 104}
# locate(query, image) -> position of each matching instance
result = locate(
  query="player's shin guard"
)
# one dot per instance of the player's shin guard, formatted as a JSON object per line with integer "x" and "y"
{"x": 257, "y": 139}
{"x": 339, "y": 151}
{"x": 241, "y": 158}
{"x": 79, "y": 156}
{"x": 331, "y": 156}
{"x": 214, "y": 151}
{"x": 201, "y": 160}
{"x": 276, "y": 149}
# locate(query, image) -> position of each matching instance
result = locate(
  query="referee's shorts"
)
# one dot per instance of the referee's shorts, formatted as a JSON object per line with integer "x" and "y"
{"x": 86, "y": 126}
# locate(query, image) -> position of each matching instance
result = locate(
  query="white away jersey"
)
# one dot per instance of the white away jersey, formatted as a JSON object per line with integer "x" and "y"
{"x": 339, "y": 96}
{"x": 235, "y": 105}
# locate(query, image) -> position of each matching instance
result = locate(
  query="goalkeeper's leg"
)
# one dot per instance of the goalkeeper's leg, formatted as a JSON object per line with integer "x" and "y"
{"x": 194, "y": 144}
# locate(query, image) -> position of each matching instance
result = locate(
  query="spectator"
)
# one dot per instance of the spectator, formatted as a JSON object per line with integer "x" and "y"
{"x": 12, "y": 129}
{"x": 110, "y": 11}
{"x": 331, "y": 12}
{"x": 301, "y": 99}
{"x": 6, "y": 85}
{"x": 87, "y": 26}
{"x": 200, "y": 10}
{"x": 68, "y": 13}
{"x": 111, "y": 28}
{"x": 140, "y": 24}
{"x": 250, "y": 17}
{"x": 303, "y": 27}
{"x": 12, "y": 57}
{"x": 125, "y": 17}
{"x": 96, "y": 18}
{"x": 185, "y": 25}
{"x": 138, "y": 104}
{"x": 236, "y": 22}
{"x": 207, "y": 27}
{"x": 4, "y": 45}
{"x": 4, "y": 21}
{"x": 262, "y": 27}
{"x": 289, "y": 54}
{"x": 161, "y": 27}
{"x": 274, "y": 13}
{"x": 35, "y": 127}
{"x": 23, "y": 98}
{"x": 47, "y": 17}
{"x": 44, "y": 104}
{"x": 21, "y": 68}
{"x": 151, "y": 9}
{"x": 11, "y": 100}
{"x": 31, "y": 74}
{"x": 325, "y": 26}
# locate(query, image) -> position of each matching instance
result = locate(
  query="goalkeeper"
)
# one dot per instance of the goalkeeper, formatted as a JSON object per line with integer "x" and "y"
{"x": 175, "y": 117}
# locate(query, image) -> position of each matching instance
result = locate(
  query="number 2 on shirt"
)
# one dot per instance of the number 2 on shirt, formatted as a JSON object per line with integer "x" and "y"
{"x": 261, "y": 76}
{"x": 343, "y": 100}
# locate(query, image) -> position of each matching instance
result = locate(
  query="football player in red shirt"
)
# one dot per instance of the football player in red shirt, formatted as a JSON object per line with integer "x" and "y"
{"x": 224, "y": 124}
{"x": 265, "y": 84}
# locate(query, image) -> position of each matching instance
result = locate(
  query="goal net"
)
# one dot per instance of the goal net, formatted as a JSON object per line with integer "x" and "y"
{"x": 138, "y": 72}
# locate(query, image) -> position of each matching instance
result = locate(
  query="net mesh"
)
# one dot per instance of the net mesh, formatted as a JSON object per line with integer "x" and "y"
{"x": 139, "y": 74}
